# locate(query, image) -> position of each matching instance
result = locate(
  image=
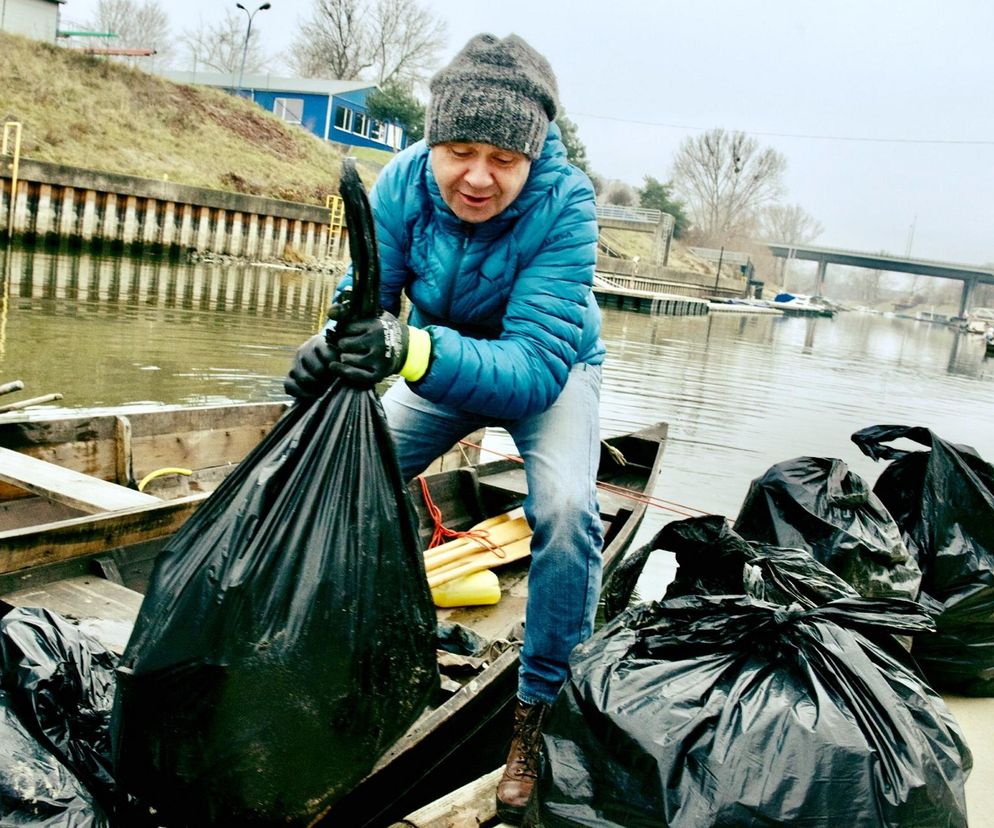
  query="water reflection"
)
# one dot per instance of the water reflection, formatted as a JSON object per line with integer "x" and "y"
{"x": 107, "y": 331}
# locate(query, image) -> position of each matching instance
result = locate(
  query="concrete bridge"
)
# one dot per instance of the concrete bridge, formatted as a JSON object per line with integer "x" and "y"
{"x": 969, "y": 275}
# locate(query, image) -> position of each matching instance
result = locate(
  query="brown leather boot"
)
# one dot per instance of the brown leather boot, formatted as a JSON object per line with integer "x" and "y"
{"x": 521, "y": 770}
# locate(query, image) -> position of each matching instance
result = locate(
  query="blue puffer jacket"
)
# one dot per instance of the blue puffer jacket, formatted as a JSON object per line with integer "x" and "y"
{"x": 508, "y": 302}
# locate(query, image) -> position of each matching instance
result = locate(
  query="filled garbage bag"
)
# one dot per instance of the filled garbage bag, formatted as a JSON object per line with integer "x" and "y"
{"x": 729, "y": 710}
{"x": 762, "y": 691}
{"x": 60, "y": 683}
{"x": 288, "y": 635}
{"x": 819, "y": 505}
{"x": 942, "y": 498}
{"x": 36, "y": 789}
{"x": 712, "y": 559}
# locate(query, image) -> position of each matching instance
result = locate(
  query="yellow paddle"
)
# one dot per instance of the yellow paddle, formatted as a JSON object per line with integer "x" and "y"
{"x": 478, "y": 561}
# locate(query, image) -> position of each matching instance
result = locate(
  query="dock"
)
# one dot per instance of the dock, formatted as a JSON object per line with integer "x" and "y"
{"x": 743, "y": 307}
{"x": 644, "y": 301}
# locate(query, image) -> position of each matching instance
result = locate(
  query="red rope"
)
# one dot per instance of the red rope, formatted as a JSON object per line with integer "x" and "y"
{"x": 441, "y": 532}
{"x": 648, "y": 500}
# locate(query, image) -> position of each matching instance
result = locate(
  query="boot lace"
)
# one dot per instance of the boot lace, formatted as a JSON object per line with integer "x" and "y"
{"x": 528, "y": 735}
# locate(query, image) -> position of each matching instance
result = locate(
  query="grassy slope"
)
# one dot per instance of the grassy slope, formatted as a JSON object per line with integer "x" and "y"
{"x": 91, "y": 112}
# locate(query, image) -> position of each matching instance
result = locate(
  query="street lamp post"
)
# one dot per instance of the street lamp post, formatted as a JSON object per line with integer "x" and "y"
{"x": 248, "y": 34}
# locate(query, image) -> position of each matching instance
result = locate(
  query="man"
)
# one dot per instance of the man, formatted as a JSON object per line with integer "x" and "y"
{"x": 492, "y": 235}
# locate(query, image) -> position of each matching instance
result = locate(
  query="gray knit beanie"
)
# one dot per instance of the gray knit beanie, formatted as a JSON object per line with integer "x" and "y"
{"x": 499, "y": 92}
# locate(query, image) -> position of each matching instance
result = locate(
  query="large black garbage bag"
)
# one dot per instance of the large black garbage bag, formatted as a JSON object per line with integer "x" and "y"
{"x": 288, "y": 635}
{"x": 36, "y": 789}
{"x": 943, "y": 500}
{"x": 60, "y": 682}
{"x": 712, "y": 559}
{"x": 819, "y": 505}
{"x": 731, "y": 711}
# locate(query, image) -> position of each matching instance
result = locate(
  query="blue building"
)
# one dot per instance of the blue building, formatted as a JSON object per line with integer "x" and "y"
{"x": 333, "y": 110}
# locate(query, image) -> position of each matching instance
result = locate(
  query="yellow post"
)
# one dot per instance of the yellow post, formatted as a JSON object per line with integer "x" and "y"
{"x": 12, "y": 127}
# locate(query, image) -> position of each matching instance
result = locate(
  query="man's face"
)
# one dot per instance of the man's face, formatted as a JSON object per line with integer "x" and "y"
{"x": 478, "y": 181}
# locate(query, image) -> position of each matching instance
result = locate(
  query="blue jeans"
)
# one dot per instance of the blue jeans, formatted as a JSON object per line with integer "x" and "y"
{"x": 561, "y": 449}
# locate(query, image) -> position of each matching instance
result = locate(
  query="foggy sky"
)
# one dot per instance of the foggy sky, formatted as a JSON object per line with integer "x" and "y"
{"x": 884, "y": 110}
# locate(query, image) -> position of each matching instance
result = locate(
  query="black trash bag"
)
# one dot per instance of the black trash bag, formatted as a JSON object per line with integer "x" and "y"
{"x": 60, "y": 682}
{"x": 943, "y": 500}
{"x": 713, "y": 560}
{"x": 288, "y": 635}
{"x": 819, "y": 505}
{"x": 730, "y": 711}
{"x": 36, "y": 789}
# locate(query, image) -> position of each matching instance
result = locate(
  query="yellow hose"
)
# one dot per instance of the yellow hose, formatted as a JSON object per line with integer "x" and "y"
{"x": 159, "y": 473}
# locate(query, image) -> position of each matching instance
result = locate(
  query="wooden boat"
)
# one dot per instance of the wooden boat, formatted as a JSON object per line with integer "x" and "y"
{"x": 93, "y": 567}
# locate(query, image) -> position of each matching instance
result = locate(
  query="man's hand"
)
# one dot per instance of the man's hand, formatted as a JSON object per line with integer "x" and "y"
{"x": 370, "y": 349}
{"x": 311, "y": 372}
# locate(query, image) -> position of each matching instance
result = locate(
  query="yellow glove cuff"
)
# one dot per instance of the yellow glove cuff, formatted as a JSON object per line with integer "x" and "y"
{"x": 418, "y": 354}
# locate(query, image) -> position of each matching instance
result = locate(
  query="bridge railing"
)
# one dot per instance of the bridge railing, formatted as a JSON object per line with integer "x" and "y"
{"x": 634, "y": 214}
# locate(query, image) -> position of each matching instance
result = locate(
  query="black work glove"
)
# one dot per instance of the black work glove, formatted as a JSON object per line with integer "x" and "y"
{"x": 369, "y": 350}
{"x": 311, "y": 373}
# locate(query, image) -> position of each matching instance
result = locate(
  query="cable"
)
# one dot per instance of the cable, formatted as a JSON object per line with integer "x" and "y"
{"x": 865, "y": 139}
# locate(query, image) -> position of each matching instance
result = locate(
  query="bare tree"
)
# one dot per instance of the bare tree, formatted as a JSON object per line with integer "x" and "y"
{"x": 333, "y": 43}
{"x": 620, "y": 194}
{"x": 137, "y": 25}
{"x": 219, "y": 45}
{"x": 382, "y": 39}
{"x": 726, "y": 178}
{"x": 788, "y": 224}
{"x": 405, "y": 40}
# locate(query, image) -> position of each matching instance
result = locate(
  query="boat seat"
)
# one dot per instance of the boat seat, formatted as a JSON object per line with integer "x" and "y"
{"x": 81, "y": 491}
{"x": 102, "y": 608}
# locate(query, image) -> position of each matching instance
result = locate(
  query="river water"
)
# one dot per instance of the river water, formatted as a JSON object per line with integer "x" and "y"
{"x": 740, "y": 392}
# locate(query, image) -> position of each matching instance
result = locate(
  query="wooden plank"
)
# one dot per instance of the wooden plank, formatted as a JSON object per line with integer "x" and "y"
{"x": 190, "y": 437}
{"x": 85, "y": 444}
{"x": 30, "y": 511}
{"x": 122, "y": 451}
{"x": 53, "y": 542}
{"x": 199, "y": 438}
{"x": 81, "y": 491}
{"x": 102, "y": 608}
{"x": 467, "y": 807}
{"x": 45, "y": 398}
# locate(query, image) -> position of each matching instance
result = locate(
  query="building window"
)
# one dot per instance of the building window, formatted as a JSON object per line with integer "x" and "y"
{"x": 394, "y": 136}
{"x": 290, "y": 110}
{"x": 361, "y": 124}
{"x": 343, "y": 118}
{"x": 377, "y": 131}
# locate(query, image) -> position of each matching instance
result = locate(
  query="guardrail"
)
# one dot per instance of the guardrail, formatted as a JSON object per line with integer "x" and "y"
{"x": 634, "y": 214}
